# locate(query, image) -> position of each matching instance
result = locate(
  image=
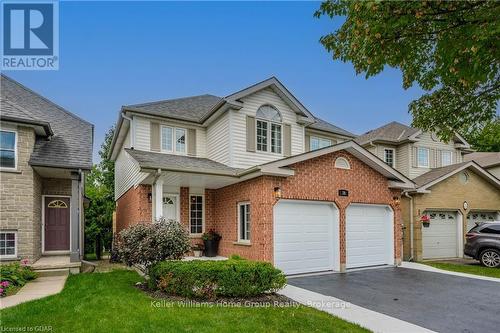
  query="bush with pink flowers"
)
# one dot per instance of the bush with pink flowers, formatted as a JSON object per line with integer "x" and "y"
{"x": 15, "y": 275}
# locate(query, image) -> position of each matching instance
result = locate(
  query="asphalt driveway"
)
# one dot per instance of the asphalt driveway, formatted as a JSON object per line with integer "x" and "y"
{"x": 439, "y": 302}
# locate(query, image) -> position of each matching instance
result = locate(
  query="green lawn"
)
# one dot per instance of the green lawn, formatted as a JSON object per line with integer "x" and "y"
{"x": 469, "y": 269}
{"x": 109, "y": 302}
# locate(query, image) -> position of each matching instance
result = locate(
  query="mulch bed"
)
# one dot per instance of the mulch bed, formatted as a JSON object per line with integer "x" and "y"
{"x": 265, "y": 300}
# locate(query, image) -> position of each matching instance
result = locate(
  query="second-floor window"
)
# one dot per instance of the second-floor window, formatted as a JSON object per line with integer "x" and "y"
{"x": 318, "y": 143}
{"x": 422, "y": 157}
{"x": 389, "y": 156}
{"x": 7, "y": 149}
{"x": 269, "y": 134}
{"x": 173, "y": 139}
{"x": 446, "y": 158}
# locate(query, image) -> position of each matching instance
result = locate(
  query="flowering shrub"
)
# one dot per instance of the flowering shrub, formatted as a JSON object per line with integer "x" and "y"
{"x": 15, "y": 275}
{"x": 146, "y": 244}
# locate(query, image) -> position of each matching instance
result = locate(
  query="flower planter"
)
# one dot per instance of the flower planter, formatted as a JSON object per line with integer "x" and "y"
{"x": 197, "y": 253}
{"x": 211, "y": 247}
{"x": 426, "y": 224}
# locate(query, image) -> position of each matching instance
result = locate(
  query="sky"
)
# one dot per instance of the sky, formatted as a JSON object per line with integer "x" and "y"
{"x": 118, "y": 53}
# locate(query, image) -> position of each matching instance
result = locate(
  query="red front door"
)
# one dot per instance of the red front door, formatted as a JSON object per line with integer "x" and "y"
{"x": 57, "y": 215}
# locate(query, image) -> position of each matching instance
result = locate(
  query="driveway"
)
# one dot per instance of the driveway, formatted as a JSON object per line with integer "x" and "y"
{"x": 439, "y": 302}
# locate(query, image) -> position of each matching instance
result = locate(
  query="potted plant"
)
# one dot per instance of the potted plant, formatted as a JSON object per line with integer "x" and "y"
{"x": 197, "y": 250}
{"x": 426, "y": 220}
{"x": 211, "y": 241}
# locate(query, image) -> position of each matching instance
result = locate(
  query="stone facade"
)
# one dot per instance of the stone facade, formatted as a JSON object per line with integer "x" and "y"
{"x": 448, "y": 194}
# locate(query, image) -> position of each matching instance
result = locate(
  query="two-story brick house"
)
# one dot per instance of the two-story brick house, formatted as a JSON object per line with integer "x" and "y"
{"x": 276, "y": 182}
{"x": 452, "y": 191}
{"x": 44, "y": 152}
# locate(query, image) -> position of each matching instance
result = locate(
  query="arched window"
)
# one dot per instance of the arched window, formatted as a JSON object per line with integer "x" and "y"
{"x": 268, "y": 126}
{"x": 342, "y": 163}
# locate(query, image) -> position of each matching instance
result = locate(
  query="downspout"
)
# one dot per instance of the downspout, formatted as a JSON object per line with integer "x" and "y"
{"x": 411, "y": 225}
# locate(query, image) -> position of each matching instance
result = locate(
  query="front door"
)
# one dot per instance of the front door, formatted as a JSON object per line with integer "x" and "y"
{"x": 170, "y": 207}
{"x": 57, "y": 220}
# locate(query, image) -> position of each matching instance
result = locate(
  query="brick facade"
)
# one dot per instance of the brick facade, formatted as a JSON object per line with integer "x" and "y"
{"x": 133, "y": 207}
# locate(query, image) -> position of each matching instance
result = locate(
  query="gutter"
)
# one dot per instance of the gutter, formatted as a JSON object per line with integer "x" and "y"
{"x": 411, "y": 225}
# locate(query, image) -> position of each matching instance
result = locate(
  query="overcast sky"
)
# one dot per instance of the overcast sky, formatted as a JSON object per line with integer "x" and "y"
{"x": 118, "y": 53}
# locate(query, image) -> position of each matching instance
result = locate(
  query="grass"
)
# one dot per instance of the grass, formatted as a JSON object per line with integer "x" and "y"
{"x": 109, "y": 302}
{"x": 469, "y": 269}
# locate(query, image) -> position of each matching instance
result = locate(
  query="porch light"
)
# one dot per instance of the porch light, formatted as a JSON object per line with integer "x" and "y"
{"x": 397, "y": 200}
{"x": 150, "y": 197}
{"x": 277, "y": 192}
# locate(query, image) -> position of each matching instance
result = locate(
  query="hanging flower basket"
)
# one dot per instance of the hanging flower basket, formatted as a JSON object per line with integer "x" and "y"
{"x": 426, "y": 220}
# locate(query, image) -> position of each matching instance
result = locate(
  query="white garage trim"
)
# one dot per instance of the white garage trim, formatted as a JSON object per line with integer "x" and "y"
{"x": 279, "y": 222}
{"x": 385, "y": 242}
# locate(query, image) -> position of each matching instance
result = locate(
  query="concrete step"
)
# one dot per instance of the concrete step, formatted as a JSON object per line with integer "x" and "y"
{"x": 53, "y": 272}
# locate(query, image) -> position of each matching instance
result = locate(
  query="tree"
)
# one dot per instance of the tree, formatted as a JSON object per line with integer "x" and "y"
{"x": 488, "y": 138}
{"x": 449, "y": 48}
{"x": 100, "y": 190}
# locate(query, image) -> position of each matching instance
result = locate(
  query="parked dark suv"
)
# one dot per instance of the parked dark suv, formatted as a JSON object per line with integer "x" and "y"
{"x": 483, "y": 243}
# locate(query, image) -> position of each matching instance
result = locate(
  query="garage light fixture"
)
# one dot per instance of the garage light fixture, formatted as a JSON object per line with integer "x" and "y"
{"x": 397, "y": 200}
{"x": 277, "y": 192}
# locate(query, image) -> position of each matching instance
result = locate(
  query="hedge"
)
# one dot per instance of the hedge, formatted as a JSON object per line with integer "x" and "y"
{"x": 210, "y": 279}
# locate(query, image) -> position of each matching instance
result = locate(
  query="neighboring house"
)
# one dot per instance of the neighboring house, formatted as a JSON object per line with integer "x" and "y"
{"x": 489, "y": 161}
{"x": 277, "y": 183}
{"x": 454, "y": 194}
{"x": 44, "y": 152}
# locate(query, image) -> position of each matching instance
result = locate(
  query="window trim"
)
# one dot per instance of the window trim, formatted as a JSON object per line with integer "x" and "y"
{"x": 428, "y": 158}
{"x": 15, "y": 150}
{"x": 174, "y": 144}
{"x": 11, "y": 256}
{"x": 319, "y": 138}
{"x": 242, "y": 240}
{"x": 268, "y": 136}
{"x": 451, "y": 157}
{"x": 393, "y": 165}
{"x": 341, "y": 158}
{"x": 202, "y": 214}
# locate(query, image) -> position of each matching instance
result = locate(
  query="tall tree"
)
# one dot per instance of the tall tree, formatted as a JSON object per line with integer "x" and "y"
{"x": 488, "y": 137}
{"x": 449, "y": 48}
{"x": 100, "y": 190}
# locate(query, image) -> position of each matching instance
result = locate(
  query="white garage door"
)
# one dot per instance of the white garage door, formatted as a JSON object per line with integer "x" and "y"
{"x": 440, "y": 238}
{"x": 369, "y": 236}
{"x": 477, "y": 217}
{"x": 304, "y": 236}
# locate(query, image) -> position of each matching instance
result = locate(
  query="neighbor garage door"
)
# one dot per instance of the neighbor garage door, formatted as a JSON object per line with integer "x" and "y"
{"x": 477, "y": 217}
{"x": 305, "y": 233}
{"x": 440, "y": 238}
{"x": 369, "y": 236}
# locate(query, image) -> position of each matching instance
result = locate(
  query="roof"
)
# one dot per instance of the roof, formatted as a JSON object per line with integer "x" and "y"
{"x": 14, "y": 113}
{"x": 152, "y": 160}
{"x": 391, "y": 132}
{"x": 484, "y": 159}
{"x": 437, "y": 175}
{"x": 70, "y": 146}
{"x": 323, "y": 125}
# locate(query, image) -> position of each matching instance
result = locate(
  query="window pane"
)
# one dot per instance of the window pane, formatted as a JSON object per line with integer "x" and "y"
{"x": 389, "y": 157}
{"x": 491, "y": 230}
{"x": 7, "y": 140}
{"x": 268, "y": 112}
{"x": 276, "y": 138}
{"x": 423, "y": 157}
{"x": 180, "y": 140}
{"x": 261, "y": 135}
{"x": 7, "y": 243}
{"x": 242, "y": 222}
{"x": 314, "y": 143}
{"x": 324, "y": 143}
{"x": 446, "y": 158}
{"x": 196, "y": 216}
{"x": 166, "y": 138}
{"x": 247, "y": 224}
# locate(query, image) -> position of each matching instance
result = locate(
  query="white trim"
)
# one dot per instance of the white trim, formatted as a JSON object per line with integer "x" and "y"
{"x": 177, "y": 204}
{"x": 338, "y": 166}
{"x": 202, "y": 215}
{"x": 460, "y": 234}
{"x": 241, "y": 240}
{"x": 174, "y": 146}
{"x": 428, "y": 158}
{"x": 43, "y": 225}
{"x": 10, "y": 256}
{"x": 393, "y": 156}
{"x": 16, "y": 136}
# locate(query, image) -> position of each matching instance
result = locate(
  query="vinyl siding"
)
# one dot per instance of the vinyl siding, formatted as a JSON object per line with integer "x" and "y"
{"x": 403, "y": 159}
{"x": 217, "y": 139}
{"x": 142, "y": 133}
{"x": 241, "y": 158}
{"x": 127, "y": 171}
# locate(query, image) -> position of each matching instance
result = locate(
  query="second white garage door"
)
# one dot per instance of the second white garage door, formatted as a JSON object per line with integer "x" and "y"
{"x": 305, "y": 236}
{"x": 440, "y": 238}
{"x": 369, "y": 236}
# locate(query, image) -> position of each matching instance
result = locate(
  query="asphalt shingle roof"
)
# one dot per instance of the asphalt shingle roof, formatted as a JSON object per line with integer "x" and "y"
{"x": 323, "y": 125}
{"x": 484, "y": 159}
{"x": 153, "y": 160}
{"x": 434, "y": 174}
{"x": 71, "y": 144}
{"x": 392, "y": 132}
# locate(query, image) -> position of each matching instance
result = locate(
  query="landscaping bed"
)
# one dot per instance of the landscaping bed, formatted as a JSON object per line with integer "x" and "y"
{"x": 13, "y": 277}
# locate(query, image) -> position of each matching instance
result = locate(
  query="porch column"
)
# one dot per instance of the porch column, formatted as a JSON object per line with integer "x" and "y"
{"x": 75, "y": 217}
{"x": 158, "y": 191}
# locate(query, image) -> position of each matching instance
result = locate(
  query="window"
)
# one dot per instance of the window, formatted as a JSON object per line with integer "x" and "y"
{"x": 318, "y": 143}
{"x": 389, "y": 156}
{"x": 422, "y": 157}
{"x": 268, "y": 126}
{"x": 244, "y": 222}
{"x": 171, "y": 144}
{"x": 8, "y": 244}
{"x": 446, "y": 158}
{"x": 8, "y": 149}
{"x": 491, "y": 229}
{"x": 342, "y": 163}
{"x": 196, "y": 214}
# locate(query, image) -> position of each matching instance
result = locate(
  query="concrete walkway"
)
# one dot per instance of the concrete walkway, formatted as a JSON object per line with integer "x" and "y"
{"x": 426, "y": 268}
{"x": 38, "y": 288}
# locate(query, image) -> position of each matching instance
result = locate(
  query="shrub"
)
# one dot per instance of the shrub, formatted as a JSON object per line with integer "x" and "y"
{"x": 146, "y": 244}
{"x": 209, "y": 279}
{"x": 15, "y": 275}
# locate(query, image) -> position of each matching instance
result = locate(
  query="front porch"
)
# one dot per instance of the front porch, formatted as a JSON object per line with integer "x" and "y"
{"x": 56, "y": 265}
